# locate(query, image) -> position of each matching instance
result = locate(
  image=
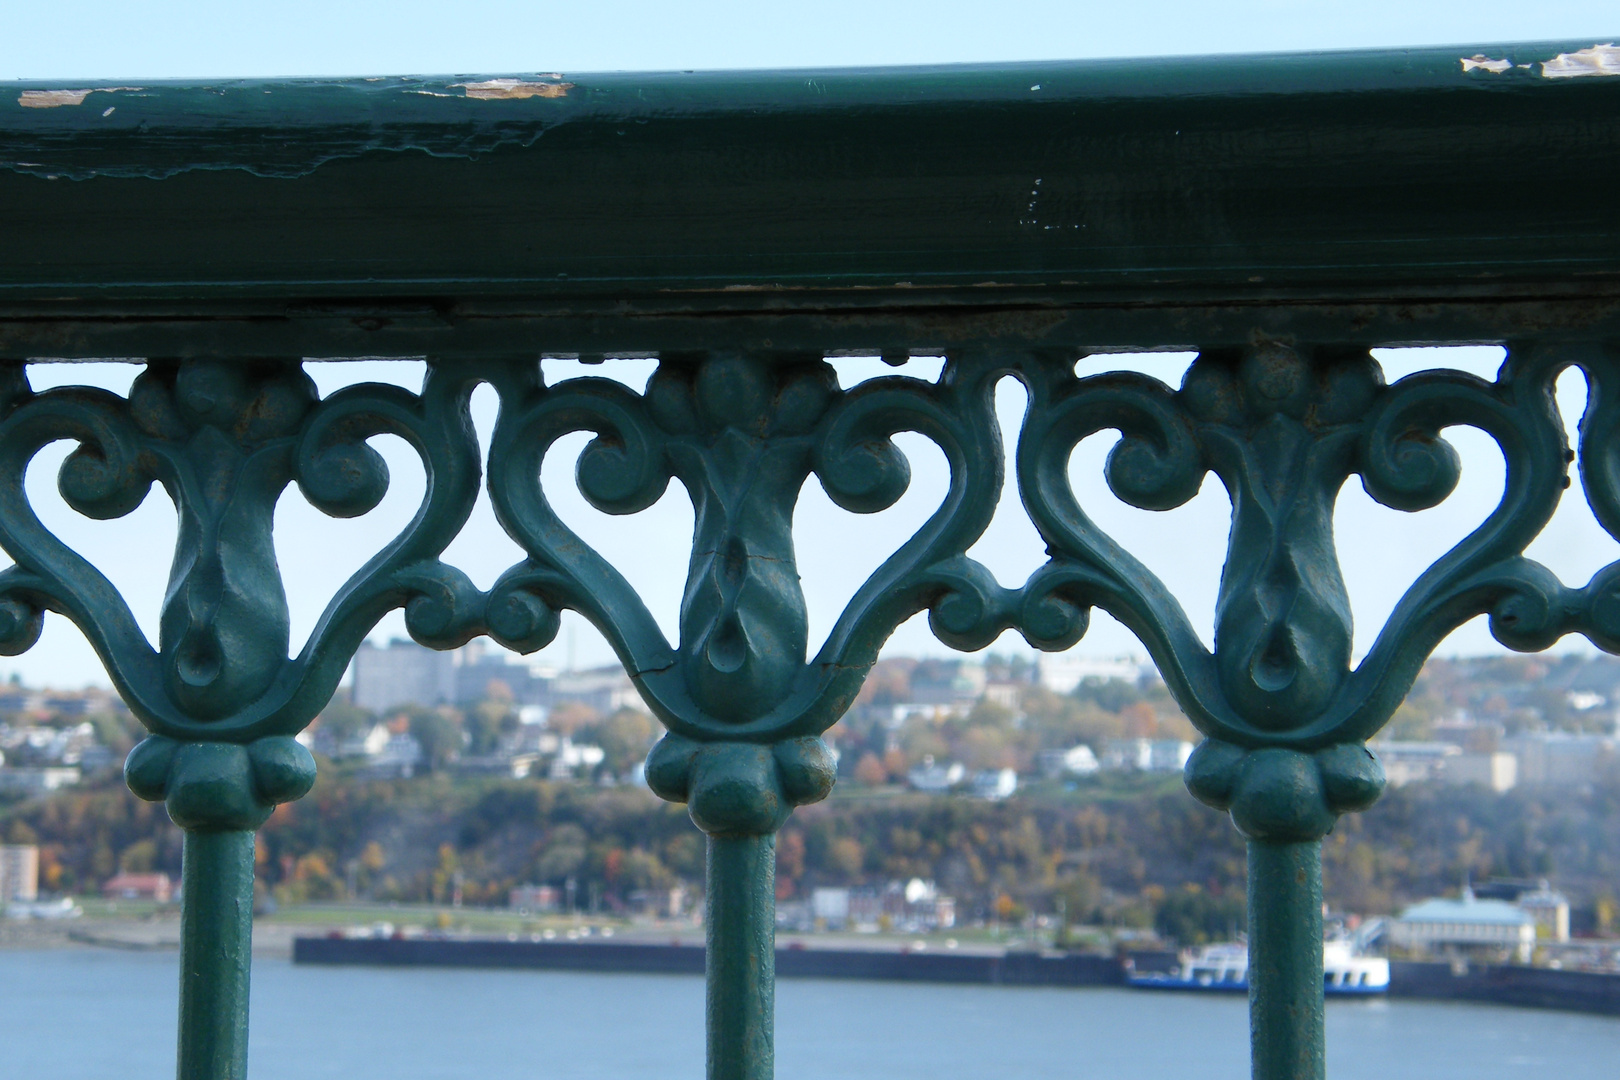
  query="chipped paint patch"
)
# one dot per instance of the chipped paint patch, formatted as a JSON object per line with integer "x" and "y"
{"x": 514, "y": 89}
{"x": 1598, "y": 60}
{"x": 1481, "y": 62}
{"x": 50, "y": 99}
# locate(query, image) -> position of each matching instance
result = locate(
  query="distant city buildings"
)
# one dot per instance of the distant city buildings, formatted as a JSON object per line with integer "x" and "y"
{"x": 1550, "y": 910}
{"x": 19, "y": 873}
{"x": 1468, "y": 927}
{"x": 37, "y": 758}
{"x": 1446, "y": 763}
{"x": 126, "y": 886}
{"x": 403, "y": 673}
{"x": 1563, "y": 757}
{"x": 22, "y": 702}
{"x": 387, "y": 679}
{"x": 1466, "y": 752}
{"x": 1076, "y": 761}
{"x": 935, "y": 778}
{"x": 994, "y": 784}
{"x": 29, "y": 781}
{"x": 1063, "y": 673}
{"x": 1145, "y": 755}
{"x": 950, "y": 683}
{"x": 914, "y": 906}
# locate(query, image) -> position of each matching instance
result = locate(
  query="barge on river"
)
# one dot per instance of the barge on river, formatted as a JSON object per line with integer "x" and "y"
{"x": 1225, "y": 967}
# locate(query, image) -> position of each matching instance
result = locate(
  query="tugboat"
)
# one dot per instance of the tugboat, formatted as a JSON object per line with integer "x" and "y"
{"x": 1225, "y": 967}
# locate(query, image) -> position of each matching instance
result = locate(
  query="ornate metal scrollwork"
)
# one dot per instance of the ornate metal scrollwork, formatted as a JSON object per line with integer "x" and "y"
{"x": 743, "y": 703}
{"x": 219, "y": 693}
{"x": 1284, "y": 427}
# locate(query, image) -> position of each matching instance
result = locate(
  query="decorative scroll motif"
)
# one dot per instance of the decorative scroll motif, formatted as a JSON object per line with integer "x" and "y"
{"x": 219, "y": 694}
{"x": 1283, "y": 427}
{"x": 743, "y": 704}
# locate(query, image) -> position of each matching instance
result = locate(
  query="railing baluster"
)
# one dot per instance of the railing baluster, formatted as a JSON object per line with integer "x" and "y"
{"x": 740, "y": 794}
{"x": 219, "y": 793}
{"x": 1285, "y": 960}
{"x": 216, "y": 954}
{"x": 741, "y": 969}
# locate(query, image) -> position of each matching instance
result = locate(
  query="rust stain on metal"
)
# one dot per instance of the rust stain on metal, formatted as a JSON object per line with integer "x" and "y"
{"x": 514, "y": 89}
{"x": 50, "y": 99}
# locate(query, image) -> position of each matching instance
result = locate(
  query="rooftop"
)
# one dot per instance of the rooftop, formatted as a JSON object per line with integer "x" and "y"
{"x": 1468, "y": 909}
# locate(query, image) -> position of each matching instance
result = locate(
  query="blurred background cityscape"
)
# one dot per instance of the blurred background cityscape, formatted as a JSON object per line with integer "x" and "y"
{"x": 1007, "y": 799}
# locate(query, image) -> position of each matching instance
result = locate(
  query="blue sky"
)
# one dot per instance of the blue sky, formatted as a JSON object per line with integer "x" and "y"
{"x": 206, "y": 38}
{"x": 1381, "y": 550}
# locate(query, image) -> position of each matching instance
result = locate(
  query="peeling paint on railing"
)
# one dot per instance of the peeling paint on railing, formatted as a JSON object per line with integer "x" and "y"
{"x": 50, "y": 99}
{"x": 510, "y": 89}
{"x": 1598, "y": 60}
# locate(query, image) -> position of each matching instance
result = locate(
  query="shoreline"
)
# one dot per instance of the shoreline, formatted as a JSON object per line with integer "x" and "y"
{"x": 156, "y": 934}
{"x": 1542, "y": 988}
{"x": 679, "y": 950}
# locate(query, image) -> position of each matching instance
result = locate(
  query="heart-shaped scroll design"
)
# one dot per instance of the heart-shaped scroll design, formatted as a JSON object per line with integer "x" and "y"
{"x": 742, "y": 433}
{"x": 225, "y": 439}
{"x": 1284, "y": 427}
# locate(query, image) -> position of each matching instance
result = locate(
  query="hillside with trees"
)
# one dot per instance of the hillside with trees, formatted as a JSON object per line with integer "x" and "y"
{"x": 1123, "y": 855}
{"x": 1126, "y": 849}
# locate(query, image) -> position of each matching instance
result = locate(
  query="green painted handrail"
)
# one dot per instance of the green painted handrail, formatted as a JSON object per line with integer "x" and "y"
{"x": 1280, "y": 215}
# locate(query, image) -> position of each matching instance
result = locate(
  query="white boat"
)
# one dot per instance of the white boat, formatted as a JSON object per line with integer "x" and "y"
{"x": 1225, "y": 967}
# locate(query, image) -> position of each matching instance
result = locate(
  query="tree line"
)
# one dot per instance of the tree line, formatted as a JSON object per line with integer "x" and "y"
{"x": 1132, "y": 854}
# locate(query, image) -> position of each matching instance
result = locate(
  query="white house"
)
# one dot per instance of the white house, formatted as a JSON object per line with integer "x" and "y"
{"x": 1076, "y": 761}
{"x": 935, "y": 778}
{"x": 1146, "y": 755}
{"x": 573, "y": 757}
{"x": 995, "y": 784}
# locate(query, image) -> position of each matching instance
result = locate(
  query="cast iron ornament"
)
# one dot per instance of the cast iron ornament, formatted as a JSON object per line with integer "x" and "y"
{"x": 1282, "y": 425}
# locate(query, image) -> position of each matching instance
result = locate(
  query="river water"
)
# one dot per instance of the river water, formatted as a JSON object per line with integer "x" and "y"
{"x": 90, "y": 1014}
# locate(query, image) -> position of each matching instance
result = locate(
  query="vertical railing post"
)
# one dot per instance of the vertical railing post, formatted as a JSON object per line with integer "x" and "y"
{"x": 740, "y": 931}
{"x": 1284, "y": 802}
{"x": 216, "y": 953}
{"x": 219, "y": 793}
{"x": 1285, "y": 960}
{"x": 740, "y": 794}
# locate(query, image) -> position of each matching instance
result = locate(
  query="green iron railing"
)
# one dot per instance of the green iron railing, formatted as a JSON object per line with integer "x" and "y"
{"x": 1280, "y": 215}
